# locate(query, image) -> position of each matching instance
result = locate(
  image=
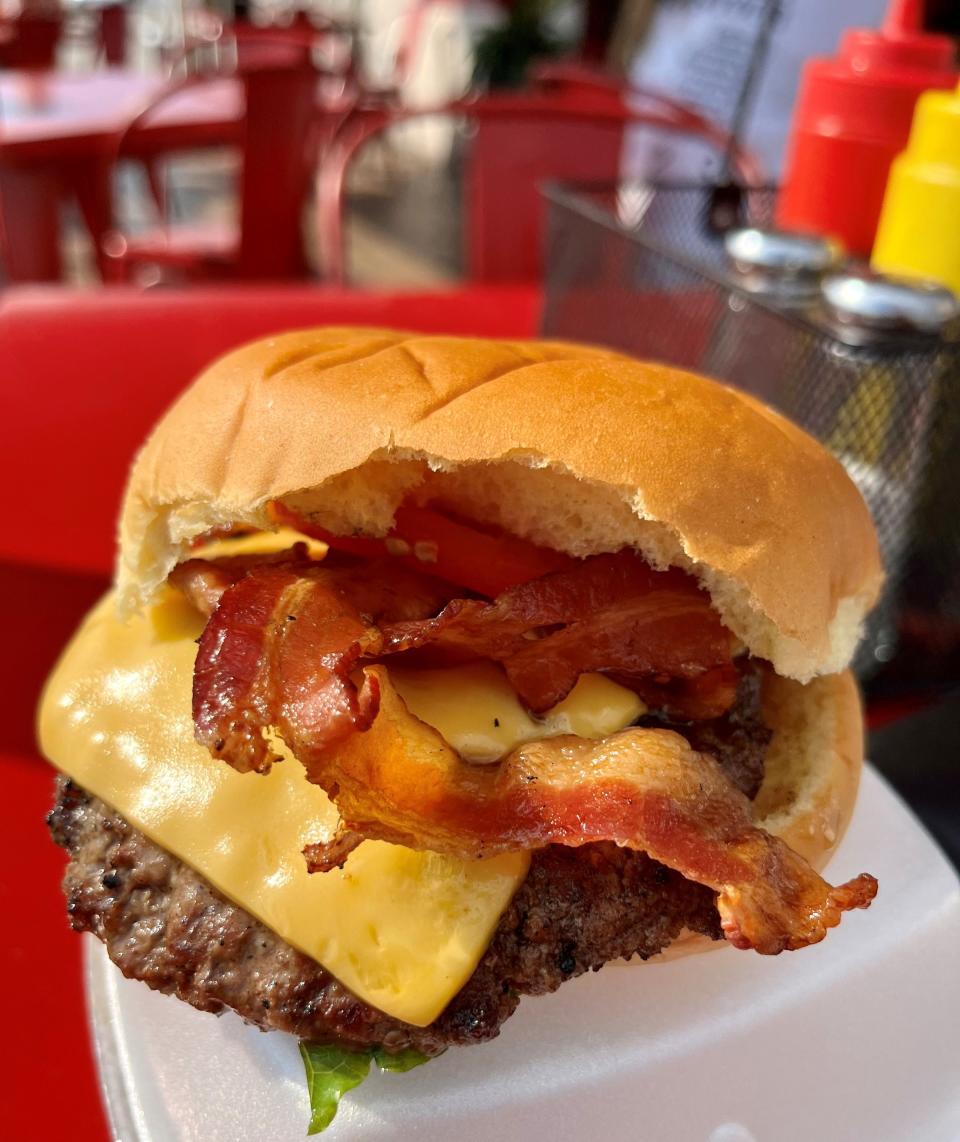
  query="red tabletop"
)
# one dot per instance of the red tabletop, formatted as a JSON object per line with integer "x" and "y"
{"x": 53, "y": 115}
{"x": 58, "y": 135}
{"x": 84, "y": 376}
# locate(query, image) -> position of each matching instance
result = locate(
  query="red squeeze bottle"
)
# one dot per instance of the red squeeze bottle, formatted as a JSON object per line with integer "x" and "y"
{"x": 852, "y": 119}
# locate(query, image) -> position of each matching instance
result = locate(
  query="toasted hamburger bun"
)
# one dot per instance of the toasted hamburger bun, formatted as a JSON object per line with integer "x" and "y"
{"x": 572, "y": 447}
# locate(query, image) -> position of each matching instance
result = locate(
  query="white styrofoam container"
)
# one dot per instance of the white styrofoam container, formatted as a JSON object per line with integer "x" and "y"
{"x": 857, "y": 1038}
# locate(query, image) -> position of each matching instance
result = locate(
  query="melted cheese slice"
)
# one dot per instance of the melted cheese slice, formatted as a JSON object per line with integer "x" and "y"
{"x": 477, "y": 710}
{"x": 403, "y": 930}
{"x": 258, "y": 542}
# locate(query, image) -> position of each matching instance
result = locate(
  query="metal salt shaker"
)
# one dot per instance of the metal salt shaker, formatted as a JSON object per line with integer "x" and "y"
{"x": 773, "y": 273}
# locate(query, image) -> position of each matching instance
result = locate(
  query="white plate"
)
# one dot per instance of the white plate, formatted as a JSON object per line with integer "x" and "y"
{"x": 857, "y": 1038}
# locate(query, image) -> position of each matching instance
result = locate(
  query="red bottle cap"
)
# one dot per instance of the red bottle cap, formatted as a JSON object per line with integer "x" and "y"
{"x": 852, "y": 118}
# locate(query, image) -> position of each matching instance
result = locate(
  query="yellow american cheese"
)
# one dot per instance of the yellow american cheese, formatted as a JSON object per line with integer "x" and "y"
{"x": 258, "y": 542}
{"x": 403, "y": 930}
{"x": 477, "y": 710}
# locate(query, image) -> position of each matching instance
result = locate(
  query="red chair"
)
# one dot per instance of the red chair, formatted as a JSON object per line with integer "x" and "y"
{"x": 279, "y": 140}
{"x": 113, "y": 32}
{"x": 570, "y": 132}
{"x": 573, "y": 77}
{"x": 29, "y": 41}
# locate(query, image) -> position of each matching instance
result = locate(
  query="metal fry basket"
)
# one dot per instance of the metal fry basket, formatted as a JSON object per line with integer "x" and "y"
{"x": 645, "y": 269}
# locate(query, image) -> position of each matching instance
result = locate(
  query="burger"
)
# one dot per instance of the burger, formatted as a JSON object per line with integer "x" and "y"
{"x": 439, "y": 671}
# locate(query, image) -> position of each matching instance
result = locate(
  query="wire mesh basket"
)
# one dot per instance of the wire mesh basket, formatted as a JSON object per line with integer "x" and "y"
{"x": 644, "y": 269}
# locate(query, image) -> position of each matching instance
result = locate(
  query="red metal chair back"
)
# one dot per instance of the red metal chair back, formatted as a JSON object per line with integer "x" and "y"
{"x": 508, "y": 162}
{"x": 521, "y": 141}
{"x": 279, "y": 152}
{"x": 278, "y": 139}
{"x": 574, "y": 77}
{"x": 32, "y": 45}
{"x": 113, "y": 33}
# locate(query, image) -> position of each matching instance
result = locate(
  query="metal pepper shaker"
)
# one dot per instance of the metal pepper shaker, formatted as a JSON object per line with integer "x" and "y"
{"x": 771, "y": 273}
{"x": 873, "y": 392}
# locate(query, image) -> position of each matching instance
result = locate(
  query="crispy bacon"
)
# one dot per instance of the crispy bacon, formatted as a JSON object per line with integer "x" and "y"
{"x": 644, "y": 789}
{"x": 278, "y": 651}
{"x": 281, "y": 650}
{"x": 241, "y": 683}
{"x": 653, "y": 631}
{"x": 285, "y": 636}
{"x": 203, "y": 581}
{"x": 324, "y": 856}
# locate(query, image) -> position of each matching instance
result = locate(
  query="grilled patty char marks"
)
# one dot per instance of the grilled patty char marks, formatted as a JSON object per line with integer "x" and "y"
{"x": 164, "y": 924}
{"x": 578, "y": 908}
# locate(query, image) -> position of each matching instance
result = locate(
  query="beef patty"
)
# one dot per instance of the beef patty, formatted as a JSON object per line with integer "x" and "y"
{"x": 577, "y": 908}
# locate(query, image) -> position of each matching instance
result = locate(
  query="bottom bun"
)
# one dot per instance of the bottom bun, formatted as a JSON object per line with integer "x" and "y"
{"x": 813, "y": 765}
{"x": 811, "y": 774}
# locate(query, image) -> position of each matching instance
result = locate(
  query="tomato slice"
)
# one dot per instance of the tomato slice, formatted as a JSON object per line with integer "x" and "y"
{"x": 430, "y": 541}
{"x": 472, "y": 558}
{"x": 352, "y": 544}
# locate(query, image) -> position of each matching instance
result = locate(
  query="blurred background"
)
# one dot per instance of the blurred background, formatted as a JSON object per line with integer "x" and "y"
{"x": 147, "y": 141}
{"x": 766, "y": 191}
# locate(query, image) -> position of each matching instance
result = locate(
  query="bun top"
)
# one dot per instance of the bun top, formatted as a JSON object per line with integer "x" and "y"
{"x": 573, "y": 447}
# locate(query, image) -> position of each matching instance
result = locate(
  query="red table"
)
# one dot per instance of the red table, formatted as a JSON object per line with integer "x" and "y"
{"x": 84, "y": 377}
{"x": 54, "y": 115}
{"x": 58, "y": 133}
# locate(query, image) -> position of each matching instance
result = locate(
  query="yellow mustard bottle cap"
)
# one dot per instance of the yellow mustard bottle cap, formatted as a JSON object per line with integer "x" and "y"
{"x": 919, "y": 231}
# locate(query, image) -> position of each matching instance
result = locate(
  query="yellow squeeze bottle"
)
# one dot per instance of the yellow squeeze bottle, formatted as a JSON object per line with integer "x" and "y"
{"x": 919, "y": 231}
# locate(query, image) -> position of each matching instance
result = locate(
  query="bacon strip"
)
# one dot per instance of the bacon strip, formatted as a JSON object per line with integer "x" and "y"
{"x": 256, "y": 669}
{"x": 653, "y": 631}
{"x": 644, "y": 789}
{"x": 279, "y": 648}
{"x": 278, "y": 651}
{"x": 203, "y": 581}
{"x": 324, "y": 856}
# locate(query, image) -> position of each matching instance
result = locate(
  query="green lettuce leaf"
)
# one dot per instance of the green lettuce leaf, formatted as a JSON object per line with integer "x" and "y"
{"x": 332, "y": 1071}
{"x": 402, "y": 1061}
